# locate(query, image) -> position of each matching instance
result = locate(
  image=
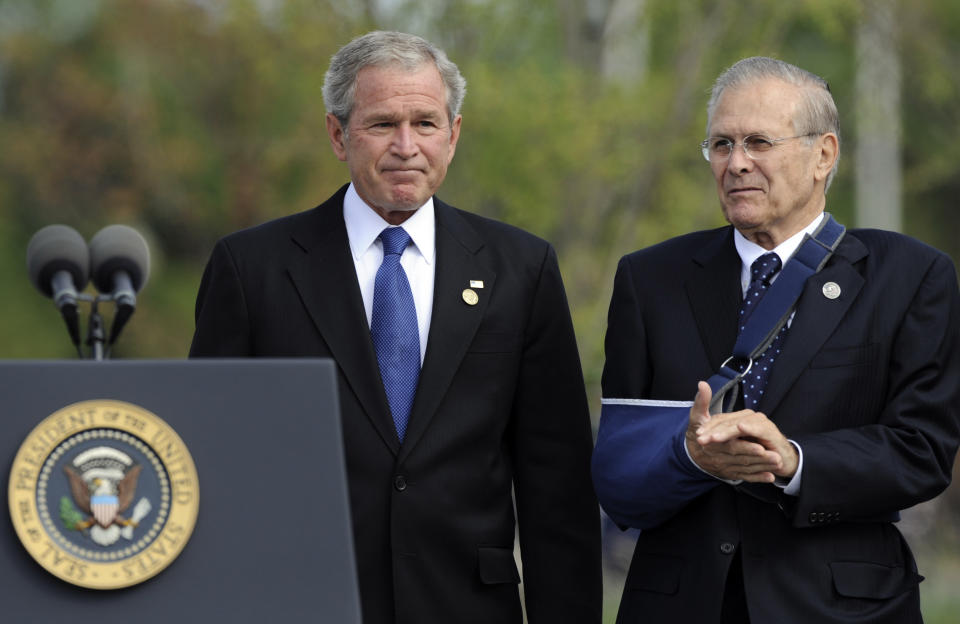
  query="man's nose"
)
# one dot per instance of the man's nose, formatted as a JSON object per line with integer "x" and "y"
{"x": 739, "y": 161}
{"x": 404, "y": 141}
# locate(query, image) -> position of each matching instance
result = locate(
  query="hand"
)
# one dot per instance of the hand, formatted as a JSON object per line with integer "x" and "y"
{"x": 737, "y": 445}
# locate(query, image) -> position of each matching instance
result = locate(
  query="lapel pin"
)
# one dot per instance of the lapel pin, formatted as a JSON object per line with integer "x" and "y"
{"x": 831, "y": 290}
{"x": 476, "y": 283}
{"x": 470, "y": 296}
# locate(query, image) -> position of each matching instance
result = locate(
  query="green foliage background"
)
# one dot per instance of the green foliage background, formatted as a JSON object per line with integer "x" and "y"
{"x": 189, "y": 119}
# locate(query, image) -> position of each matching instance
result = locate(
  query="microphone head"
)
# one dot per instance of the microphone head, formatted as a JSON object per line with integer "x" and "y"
{"x": 119, "y": 248}
{"x": 57, "y": 248}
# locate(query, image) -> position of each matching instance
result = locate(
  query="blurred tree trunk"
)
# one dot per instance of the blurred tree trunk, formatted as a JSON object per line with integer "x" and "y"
{"x": 625, "y": 42}
{"x": 877, "y": 95}
{"x": 583, "y": 31}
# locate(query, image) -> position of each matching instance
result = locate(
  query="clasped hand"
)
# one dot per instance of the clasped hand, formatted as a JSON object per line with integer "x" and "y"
{"x": 743, "y": 445}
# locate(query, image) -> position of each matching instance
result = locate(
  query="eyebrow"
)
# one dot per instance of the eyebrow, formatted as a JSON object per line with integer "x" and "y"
{"x": 378, "y": 117}
{"x": 725, "y": 135}
{"x": 415, "y": 114}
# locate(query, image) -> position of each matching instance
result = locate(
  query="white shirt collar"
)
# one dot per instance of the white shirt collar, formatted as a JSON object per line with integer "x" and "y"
{"x": 750, "y": 251}
{"x": 364, "y": 226}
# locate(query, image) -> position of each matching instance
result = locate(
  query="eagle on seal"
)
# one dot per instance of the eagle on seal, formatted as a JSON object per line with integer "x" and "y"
{"x": 103, "y": 499}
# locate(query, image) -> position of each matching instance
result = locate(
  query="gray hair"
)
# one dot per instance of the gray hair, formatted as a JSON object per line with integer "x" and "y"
{"x": 386, "y": 49}
{"x": 816, "y": 113}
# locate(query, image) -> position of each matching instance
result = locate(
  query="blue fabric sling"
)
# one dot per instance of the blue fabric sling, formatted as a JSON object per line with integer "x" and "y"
{"x": 641, "y": 470}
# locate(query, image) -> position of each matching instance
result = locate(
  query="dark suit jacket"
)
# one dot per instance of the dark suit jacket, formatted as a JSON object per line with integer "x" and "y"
{"x": 500, "y": 410}
{"x": 868, "y": 384}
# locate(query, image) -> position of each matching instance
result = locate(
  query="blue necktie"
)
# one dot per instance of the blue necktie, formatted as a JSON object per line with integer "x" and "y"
{"x": 394, "y": 329}
{"x": 761, "y": 272}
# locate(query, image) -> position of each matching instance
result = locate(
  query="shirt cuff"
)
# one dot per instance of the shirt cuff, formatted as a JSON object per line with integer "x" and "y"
{"x": 792, "y": 487}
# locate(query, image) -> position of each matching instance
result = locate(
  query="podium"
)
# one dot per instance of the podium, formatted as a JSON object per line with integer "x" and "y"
{"x": 271, "y": 539}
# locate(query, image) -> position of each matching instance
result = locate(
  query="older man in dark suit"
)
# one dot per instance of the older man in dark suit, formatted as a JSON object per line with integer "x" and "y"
{"x": 460, "y": 384}
{"x": 784, "y": 507}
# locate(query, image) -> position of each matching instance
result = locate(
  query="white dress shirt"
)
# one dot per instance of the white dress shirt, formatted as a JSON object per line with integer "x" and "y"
{"x": 749, "y": 252}
{"x": 418, "y": 260}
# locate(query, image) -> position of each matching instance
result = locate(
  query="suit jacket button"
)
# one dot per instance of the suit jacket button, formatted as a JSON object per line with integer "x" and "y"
{"x": 400, "y": 483}
{"x": 727, "y": 548}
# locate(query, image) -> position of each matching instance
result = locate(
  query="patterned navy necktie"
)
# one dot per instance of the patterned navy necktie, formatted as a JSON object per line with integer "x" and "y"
{"x": 761, "y": 272}
{"x": 394, "y": 329}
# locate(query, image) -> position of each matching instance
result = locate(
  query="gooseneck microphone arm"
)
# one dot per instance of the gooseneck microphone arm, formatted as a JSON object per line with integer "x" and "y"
{"x": 65, "y": 298}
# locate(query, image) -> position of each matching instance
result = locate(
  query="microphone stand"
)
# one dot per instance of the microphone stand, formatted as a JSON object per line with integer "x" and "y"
{"x": 96, "y": 336}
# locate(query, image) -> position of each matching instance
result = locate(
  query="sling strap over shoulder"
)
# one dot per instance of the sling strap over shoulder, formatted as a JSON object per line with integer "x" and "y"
{"x": 774, "y": 310}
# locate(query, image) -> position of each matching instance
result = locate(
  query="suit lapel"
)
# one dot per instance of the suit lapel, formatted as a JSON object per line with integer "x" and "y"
{"x": 453, "y": 323}
{"x": 714, "y": 294}
{"x": 816, "y": 319}
{"x": 321, "y": 268}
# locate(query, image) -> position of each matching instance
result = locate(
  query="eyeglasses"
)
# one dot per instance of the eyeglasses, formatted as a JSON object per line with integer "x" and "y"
{"x": 756, "y": 146}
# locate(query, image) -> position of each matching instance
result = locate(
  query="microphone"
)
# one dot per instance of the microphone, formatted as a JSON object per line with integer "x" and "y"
{"x": 120, "y": 265}
{"x": 58, "y": 263}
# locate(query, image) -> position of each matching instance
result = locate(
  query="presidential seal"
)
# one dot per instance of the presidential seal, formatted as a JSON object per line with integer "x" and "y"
{"x": 103, "y": 494}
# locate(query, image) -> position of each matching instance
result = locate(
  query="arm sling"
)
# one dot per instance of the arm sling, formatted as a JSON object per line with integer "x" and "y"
{"x": 640, "y": 464}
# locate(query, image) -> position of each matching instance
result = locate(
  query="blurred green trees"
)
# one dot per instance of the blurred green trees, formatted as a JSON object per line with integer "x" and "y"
{"x": 189, "y": 119}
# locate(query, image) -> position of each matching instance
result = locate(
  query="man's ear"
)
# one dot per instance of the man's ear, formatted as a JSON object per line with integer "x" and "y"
{"x": 454, "y": 137}
{"x": 337, "y": 136}
{"x": 829, "y": 151}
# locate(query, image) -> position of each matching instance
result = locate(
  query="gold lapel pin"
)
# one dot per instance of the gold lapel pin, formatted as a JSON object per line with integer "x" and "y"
{"x": 470, "y": 296}
{"x": 476, "y": 283}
